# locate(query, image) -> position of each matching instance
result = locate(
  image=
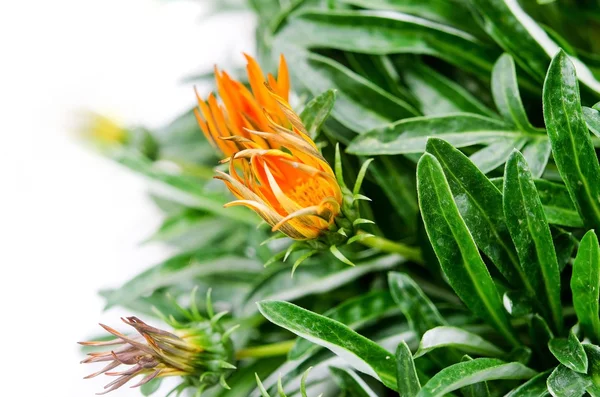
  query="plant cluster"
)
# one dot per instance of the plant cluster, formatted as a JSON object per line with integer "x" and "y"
{"x": 428, "y": 204}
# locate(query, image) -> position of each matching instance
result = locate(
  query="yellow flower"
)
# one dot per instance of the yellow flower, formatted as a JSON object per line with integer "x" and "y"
{"x": 275, "y": 168}
{"x": 101, "y": 130}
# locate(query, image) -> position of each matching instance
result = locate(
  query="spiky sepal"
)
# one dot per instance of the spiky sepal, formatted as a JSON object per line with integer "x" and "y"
{"x": 344, "y": 230}
{"x": 199, "y": 350}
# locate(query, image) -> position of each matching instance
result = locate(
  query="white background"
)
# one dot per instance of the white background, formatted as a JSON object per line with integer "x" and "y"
{"x": 71, "y": 221}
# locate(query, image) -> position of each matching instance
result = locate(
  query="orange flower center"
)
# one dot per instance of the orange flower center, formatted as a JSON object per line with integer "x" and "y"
{"x": 306, "y": 192}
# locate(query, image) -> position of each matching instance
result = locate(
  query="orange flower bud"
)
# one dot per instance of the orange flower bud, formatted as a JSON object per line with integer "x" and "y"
{"x": 275, "y": 167}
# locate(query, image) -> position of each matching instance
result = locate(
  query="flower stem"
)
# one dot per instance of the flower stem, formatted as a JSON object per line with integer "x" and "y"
{"x": 385, "y": 245}
{"x": 272, "y": 350}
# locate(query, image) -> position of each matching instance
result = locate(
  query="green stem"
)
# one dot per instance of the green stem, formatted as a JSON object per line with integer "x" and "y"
{"x": 272, "y": 350}
{"x": 385, "y": 245}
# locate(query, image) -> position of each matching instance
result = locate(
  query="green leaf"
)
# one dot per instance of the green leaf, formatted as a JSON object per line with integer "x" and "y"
{"x": 316, "y": 112}
{"x": 380, "y": 70}
{"x": 593, "y": 355}
{"x": 474, "y": 371}
{"x": 506, "y": 94}
{"x": 517, "y": 33}
{"x": 360, "y": 105}
{"x": 540, "y": 332}
{"x": 569, "y": 352}
{"x": 530, "y": 232}
{"x": 388, "y": 338}
{"x": 419, "y": 311}
{"x": 518, "y": 303}
{"x": 480, "y": 389}
{"x": 244, "y": 380}
{"x": 190, "y": 230}
{"x": 448, "y": 12}
{"x": 350, "y": 382}
{"x": 480, "y": 206}
{"x": 572, "y": 147}
{"x": 585, "y": 285}
{"x": 564, "y": 244}
{"x": 563, "y": 382}
{"x": 411, "y": 135}
{"x": 181, "y": 269}
{"x": 558, "y": 207}
{"x": 397, "y": 181}
{"x": 534, "y": 387}
{"x": 496, "y": 154}
{"x": 261, "y": 387}
{"x": 312, "y": 280}
{"x": 151, "y": 387}
{"x": 364, "y": 355}
{"x": 465, "y": 341}
{"x": 456, "y": 250}
{"x": 520, "y": 354}
{"x": 537, "y": 152}
{"x": 182, "y": 188}
{"x": 264, "y": 8}
{"x": 387, "y": 33}
{"x": 408, "y": 381}
{"x": 439, "y": 95}
{"x": 354, "y": 313}
{"x": 592, "y": 119}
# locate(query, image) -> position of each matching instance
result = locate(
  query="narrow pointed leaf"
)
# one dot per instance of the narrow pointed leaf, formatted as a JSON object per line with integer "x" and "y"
{"x": 564, "y": 244}
{"x": 419, "y": 311}
{"x": 447, "y": 12}
{"x": 360, "y": 105}
{"x": 563, "y": 382}
{"x": 496, "y": 154}
{"x": 585, "y": 285}
{"x": 465, "y": 341}
{"x": 181, "y": 188}
{"x": 515, "y": 31}
{"x": 592, "y": 119}
{"x": 505, "y": 90}
{"x": 316, "y": 112}
{"x": 456, "y": 250}
{"x": 397, "y": 181}
{"x": 558, "y": 206}
{"x": 312, "y": 280}
{"x": 411, "y": 135}
{"x": 382, "y": 33}
{"x": 537, "y": 152}
{"x": 569, "y": 352}
{"x": 364, "y": 355}
{"x": 438, "y": 95}
{"x": 540, "y": 332}
{"x": 480, "y": 389}
{"x": 151, "y": 387}
{"x": 480, "y": 205}
{"x": 593, "y": 354}
{"x": 530, "y": 232}
{"x": 354, "y": 313}
{"x": 534, "y": 387}
{"x": 183, "y": 268}
{"x": 408, "y": 381}
{"x": 471, "y": 372}
{"x": 572, "y": 147}
{"x": 350, "y": 382}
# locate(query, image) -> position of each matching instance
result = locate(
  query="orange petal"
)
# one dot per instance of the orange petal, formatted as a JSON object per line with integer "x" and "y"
{"x": 283, "y": 79}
